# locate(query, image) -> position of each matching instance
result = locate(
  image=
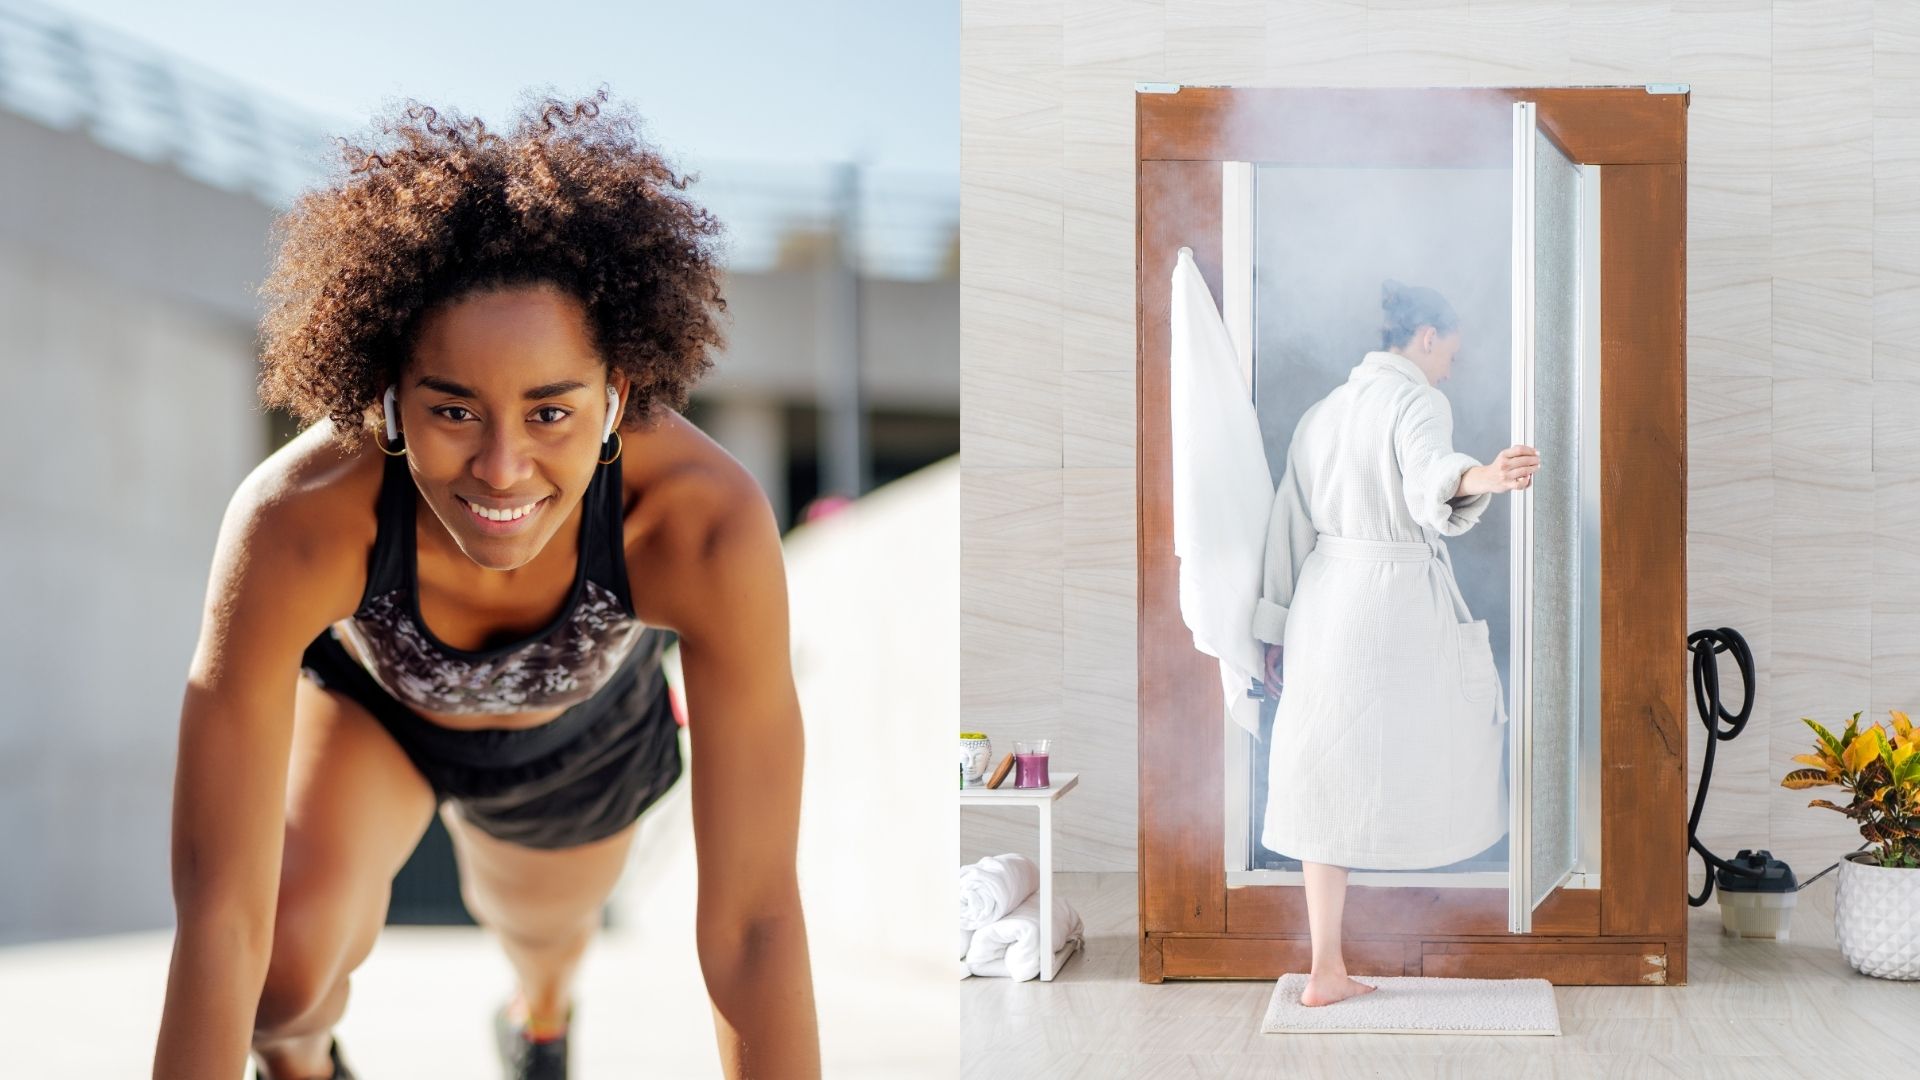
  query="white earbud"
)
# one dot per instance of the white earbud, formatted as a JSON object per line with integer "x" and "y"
{"x": 613, "y": 413}
{"x": 393, "y": 418}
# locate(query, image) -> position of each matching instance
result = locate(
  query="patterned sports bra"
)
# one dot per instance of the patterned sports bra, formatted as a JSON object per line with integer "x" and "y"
{"x": 561, "y": 665}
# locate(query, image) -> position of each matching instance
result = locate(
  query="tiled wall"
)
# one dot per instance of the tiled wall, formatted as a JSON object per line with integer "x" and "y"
{"x": 1803, "y": 334}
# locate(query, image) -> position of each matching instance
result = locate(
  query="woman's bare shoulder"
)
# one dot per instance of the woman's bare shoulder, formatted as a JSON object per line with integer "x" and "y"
{"x": 677, "y": 475}
{"x": 684, "y": 494}
{"x": 314, "y": 474}
{"x": 314, "y": 500}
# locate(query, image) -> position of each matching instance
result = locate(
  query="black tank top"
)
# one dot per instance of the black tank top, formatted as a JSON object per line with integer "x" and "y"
{"x": 561, "y": 665}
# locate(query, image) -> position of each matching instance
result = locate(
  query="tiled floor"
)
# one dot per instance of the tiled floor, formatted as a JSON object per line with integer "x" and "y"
{"x": 1751, "y": 1009}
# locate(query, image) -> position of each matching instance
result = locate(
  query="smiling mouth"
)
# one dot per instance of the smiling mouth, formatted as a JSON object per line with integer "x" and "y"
{"x": 503, "y": 520}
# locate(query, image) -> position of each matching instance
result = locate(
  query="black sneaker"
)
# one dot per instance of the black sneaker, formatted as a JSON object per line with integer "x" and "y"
{"x": 340, "y": 1070}
{"x": 523, "y": 1059}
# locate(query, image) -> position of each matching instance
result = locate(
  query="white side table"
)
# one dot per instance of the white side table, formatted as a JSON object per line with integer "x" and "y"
{"x": 1042, "y": 798}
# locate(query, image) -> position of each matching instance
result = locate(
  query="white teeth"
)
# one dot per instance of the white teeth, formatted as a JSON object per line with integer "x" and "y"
{"x": 502, "y": 515}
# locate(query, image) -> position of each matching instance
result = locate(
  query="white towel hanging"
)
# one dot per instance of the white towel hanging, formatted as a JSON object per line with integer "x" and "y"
{"x": 1222, "y": 492}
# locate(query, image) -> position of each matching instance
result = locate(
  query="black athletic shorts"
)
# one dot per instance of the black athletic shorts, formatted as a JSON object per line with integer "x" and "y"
{"x": 582, "y": 776}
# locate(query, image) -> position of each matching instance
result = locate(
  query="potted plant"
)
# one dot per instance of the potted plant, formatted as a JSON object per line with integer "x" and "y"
{"x": 1876, "y": 905}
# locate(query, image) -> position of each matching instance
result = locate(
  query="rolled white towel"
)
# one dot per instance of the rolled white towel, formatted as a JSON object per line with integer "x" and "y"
{"x": 994, "y": 886}
{"x": 966, "y": 942}
{"x": 1011, "y": 946}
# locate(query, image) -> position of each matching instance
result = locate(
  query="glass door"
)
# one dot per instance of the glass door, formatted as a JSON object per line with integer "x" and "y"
{"x": 1306, "y": 252}
{"x": 1509, "y": 235}
{"x": 1554, "y": 596}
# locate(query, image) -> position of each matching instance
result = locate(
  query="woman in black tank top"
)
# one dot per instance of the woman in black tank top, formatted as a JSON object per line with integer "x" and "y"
{"x": 490, "y": 336}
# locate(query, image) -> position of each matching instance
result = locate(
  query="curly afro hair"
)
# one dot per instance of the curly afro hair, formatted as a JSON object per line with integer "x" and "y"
{"x": 570, "y": 197}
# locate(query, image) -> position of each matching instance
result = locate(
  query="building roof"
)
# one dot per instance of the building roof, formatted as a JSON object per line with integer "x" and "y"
{"x": 70, "y": 74}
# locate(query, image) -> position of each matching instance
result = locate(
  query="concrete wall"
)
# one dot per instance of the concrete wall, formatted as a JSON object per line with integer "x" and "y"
{"x": 873, "y": 592}
{"x": 1803, "y": 318}
{"x": 126, "y": 348}
{"x": 131, "y": 420}
{"x": 909, "y": 340}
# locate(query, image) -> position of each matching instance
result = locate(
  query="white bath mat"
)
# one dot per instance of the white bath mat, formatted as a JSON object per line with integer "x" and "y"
{"x": 1419, "y": 1005}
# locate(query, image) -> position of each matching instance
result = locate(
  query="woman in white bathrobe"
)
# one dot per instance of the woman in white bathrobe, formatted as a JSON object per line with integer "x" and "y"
{"x": 1386, "y": 745}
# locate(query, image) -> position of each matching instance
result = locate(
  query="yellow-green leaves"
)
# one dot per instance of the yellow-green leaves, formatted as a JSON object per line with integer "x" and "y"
{"x": 1881, "y": 770}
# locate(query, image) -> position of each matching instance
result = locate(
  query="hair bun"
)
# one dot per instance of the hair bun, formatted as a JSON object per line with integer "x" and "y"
{"x": 1409, "y": 307}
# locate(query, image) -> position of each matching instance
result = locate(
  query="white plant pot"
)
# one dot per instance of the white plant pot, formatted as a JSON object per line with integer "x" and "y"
{"x": 1876, "y": 917}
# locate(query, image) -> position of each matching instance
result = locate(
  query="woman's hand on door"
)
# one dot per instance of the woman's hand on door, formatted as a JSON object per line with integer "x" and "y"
{"x": 1510, "y": 470}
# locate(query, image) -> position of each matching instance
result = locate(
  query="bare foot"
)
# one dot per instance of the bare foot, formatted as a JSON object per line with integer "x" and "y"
{"x": 1327, "y": 989}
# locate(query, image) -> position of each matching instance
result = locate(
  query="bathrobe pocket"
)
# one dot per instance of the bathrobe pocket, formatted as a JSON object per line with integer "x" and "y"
{"x": 1479, "y": 679}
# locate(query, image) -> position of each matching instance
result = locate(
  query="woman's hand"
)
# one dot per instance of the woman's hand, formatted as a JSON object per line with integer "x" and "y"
{"x": 1511, "y": 470}
{"x": 1272, "y": 679}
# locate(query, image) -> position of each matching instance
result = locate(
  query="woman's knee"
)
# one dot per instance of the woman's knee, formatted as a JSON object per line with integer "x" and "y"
{"x": 299, "y": 980}
{"x": 537, "y": 897}
{"x": 535, "y": 919}
{"x": 318, "y": 939}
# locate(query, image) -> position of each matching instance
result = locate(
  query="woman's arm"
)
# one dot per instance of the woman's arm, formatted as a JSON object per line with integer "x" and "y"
{"x": 743, "y": 720}
{"x": 230, "y": 783}
{"x": 1432, "y": 472}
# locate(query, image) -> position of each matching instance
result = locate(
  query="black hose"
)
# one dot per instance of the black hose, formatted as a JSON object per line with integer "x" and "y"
{"x": 1704, "y": 644}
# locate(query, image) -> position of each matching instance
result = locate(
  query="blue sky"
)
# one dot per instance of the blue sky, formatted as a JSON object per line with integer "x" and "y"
{"x": 715, "y": 79}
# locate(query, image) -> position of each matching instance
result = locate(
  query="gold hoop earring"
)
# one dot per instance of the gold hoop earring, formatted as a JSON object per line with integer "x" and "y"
{"x": 619, "y": 447}
{"x": 402, "y": 452}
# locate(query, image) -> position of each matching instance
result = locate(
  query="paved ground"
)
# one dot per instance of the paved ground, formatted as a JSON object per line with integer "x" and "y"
{"x": 422, "y": 1002}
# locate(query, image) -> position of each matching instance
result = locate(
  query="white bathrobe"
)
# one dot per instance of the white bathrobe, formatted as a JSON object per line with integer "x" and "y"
{"x": 1387, "y": 742}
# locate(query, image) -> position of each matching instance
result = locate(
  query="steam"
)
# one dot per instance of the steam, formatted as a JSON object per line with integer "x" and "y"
{"x": 1350, "y": 209}
{"x": 1330, "y": 233}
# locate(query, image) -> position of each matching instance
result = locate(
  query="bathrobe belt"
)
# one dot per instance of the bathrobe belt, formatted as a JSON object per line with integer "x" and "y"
{"x": 1347, "y": 547}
